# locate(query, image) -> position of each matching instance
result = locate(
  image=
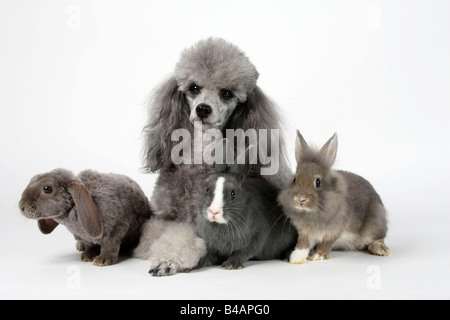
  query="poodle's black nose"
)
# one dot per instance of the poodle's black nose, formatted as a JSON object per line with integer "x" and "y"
{"x": 203, "y": 110}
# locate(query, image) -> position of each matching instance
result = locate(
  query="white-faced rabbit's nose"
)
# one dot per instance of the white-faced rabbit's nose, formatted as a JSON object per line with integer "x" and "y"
{"x": 213, "y": 212}
{"x": 216, "y": 215}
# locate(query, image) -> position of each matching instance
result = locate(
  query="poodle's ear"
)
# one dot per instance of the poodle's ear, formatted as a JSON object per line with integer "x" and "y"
{"x": 168, "y": 111}
{"x": 260, "y": 112}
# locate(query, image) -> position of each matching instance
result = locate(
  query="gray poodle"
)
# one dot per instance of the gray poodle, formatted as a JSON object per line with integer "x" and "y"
{"x": 214, "y": 85}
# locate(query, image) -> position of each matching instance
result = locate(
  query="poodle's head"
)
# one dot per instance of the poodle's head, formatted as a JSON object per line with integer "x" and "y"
{"x": 215, "y": 77}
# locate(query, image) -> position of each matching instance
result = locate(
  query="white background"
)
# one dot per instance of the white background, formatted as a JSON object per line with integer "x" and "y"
{"x": 74, "y": 78}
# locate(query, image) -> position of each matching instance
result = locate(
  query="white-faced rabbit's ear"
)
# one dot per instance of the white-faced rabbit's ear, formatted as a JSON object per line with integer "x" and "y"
{"x": 88, "y": 216}
{"x": 46, "y": 226}
{"x": 329, "y": 150}
{"x": 300, "y": 147}
{"x": 222, "y": 146}
{"x": 242, "y": 168}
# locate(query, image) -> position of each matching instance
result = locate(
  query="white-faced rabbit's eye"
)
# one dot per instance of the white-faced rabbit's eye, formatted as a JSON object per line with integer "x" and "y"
{"x": 48, "y": 189}
{"x": 318, "y": 182}
{"x": 233, "y": 195}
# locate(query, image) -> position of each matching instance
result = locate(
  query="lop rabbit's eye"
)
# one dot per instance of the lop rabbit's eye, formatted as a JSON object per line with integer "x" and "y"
{"x": 48, "y": 189}
{"x": 318, "y": 182}
{"x": 233, "y": 195}
{"x": 207, "y": 190}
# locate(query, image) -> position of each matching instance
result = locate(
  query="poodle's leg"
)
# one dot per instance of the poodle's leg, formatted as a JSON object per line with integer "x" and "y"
{"x": 176, "y": 248}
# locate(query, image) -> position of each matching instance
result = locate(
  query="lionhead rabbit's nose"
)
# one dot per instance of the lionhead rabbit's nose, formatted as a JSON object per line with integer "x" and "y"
{"x": 301, "y": 200}
{"x": 203, "y": 110}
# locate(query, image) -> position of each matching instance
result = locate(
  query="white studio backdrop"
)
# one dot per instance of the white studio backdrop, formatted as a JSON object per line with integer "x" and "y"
{"x": 75, "y": 75}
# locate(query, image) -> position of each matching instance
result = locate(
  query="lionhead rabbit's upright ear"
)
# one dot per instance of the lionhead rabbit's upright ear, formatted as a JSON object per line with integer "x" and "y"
{"x": 300, "y": 147}
{"x": 87, "y": 210}
{"x": 329, "y": 150}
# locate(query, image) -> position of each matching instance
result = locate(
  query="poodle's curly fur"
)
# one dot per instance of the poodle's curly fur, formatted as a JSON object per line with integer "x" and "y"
{"x": 216, "y": 74}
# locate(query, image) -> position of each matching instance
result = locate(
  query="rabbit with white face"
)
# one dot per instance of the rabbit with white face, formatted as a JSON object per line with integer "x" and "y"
{"x": 102, "y": 211}
{"x": 239, "y": 219}
{"x": 331, "y": 209}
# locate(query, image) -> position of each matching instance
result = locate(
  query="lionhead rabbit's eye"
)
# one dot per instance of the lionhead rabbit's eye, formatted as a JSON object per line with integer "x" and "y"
{"x": 48, "y": 189}
{"x": 318, "y": 182}
{"x": 233, "y": 194}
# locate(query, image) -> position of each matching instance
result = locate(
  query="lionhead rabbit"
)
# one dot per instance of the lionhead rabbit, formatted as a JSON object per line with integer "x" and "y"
{"x": 331, "y": 209}
{"x": 102, "y": 211}
{"x": 239, "y": 219}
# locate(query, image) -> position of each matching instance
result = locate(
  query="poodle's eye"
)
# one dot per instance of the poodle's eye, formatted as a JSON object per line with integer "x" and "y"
{"x": 233, "y": 195}
{"x": 48, "y": 189}
{"x": 194, "y": 89}
{"x": 226, "y": 94}
{"x": 318, "y": 182}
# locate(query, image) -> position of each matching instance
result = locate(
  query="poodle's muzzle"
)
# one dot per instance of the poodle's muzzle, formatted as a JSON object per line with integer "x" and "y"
{"x": 210, "y": 108}
{"x": 203, "y": 110}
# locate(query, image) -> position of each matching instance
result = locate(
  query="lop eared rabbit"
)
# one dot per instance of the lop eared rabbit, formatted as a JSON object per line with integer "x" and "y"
{"x": 102, "y": 211}
{"x": 331, "y": 209}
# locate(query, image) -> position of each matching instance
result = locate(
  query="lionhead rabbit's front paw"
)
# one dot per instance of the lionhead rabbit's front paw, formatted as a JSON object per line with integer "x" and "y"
{"x": 319, "y": 257}
{"x": 298, "y": 256}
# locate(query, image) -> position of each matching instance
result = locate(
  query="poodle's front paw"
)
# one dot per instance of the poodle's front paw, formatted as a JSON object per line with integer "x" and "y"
{"x": 163, "y": 268}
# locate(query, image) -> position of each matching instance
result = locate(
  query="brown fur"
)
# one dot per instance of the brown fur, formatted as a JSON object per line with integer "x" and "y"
{"x": 341, "y": 211}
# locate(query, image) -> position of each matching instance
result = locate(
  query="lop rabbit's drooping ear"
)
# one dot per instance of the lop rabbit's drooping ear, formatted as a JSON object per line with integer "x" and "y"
{"x": 87, "y": 210}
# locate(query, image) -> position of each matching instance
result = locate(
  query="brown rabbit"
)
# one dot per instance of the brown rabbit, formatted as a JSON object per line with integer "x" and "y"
{"x": 331, "y": 209}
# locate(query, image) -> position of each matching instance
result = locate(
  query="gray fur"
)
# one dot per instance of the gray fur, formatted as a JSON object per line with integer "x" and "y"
{"x": 255, "y": 226}
{"x": 343, "y": 212}
{"x": 212, "y": 64}
{"x": 102, "y": 211}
